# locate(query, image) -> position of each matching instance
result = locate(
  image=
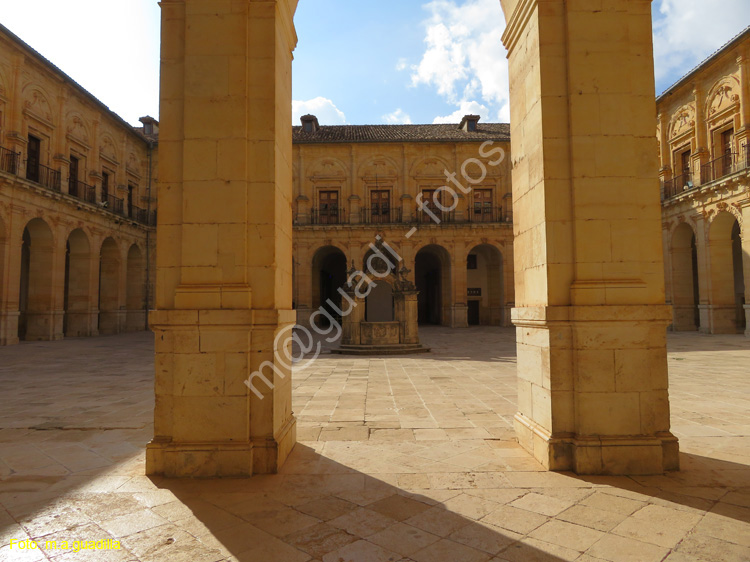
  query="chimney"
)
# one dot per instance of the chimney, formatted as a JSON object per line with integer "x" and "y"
{"x": 309, "y": 123}
{"x": 150, "y": 125}
{"x": 469, "y": 123}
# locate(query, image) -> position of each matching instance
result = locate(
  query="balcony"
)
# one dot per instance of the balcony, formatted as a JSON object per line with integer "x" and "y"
{"x": 82, "y": 191}
{"x": 677, "y": 185}
{"x": 718, "y": 168}
{"x": 9, "y": 161}
{"x": 331, "y": 215}
{"x": 143, "y": 216}
{"x": 49, "y": 178}
{"x": 380, "y": 215}
{"x": 393, "y": 215}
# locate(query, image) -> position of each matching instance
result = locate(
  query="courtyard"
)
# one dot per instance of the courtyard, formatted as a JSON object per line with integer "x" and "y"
{"x": 399, "y": 459}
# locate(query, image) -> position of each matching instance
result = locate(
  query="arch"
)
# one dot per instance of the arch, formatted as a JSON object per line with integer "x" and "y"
{"x": 684, "y": 271}
{"x": 429, "y": 167}
{"x": 36, "y": 102}
{"x": 328, "y": 274}
{"x": 135, "y": 290}
{"x": 77, "y": 296}
{"x": 77, "y": 127}
{"x": 682, "y": 121}
{"x": 722, "y": 96}
{"x": 432, "y": 273}
{"x": 485, "y": 284}
{"x": 110, "y": 262}
{"x": 36, "y": 296}
{"x": 108, "y": 147}
{"x": 328, "y": 168}
{"x": 726, "y": 294}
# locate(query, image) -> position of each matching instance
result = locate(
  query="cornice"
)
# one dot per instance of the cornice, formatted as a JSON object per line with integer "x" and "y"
{"x": 517, "y": 23}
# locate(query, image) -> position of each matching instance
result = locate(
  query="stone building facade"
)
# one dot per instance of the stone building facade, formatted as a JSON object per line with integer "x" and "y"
{"x": 703, "y": 130}
{"x": 77, "y": 206}
{"x": 354, "y": 185}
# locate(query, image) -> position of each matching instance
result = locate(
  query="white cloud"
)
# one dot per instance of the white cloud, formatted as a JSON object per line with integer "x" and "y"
{"x": 323, "y": 108}
{"x": 398, "y": 117}
{"x": 464, "y": 57}
{"x": 402, "y": 64}
{"x": 688, "y": 31}
{"x": 464, "y": 108}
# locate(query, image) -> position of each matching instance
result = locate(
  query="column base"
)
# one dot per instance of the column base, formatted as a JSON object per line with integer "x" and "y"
{"x": 603, "y": 455}
{"x": 220, "y": 460}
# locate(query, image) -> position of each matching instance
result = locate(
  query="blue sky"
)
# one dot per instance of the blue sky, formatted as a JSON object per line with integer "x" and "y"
{"x": 390, "y": 61}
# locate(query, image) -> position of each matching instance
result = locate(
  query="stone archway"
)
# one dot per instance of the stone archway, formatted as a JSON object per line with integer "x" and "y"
{"x": 588, "y": 263}
{"x": 77, "y": 321}
{"x": 36, "y": 321}
{"x": 328, "y": 275}
{"x": 432, "y": 274}
{"x": 727, "y": 284}
{"x": 484, "y": 265}
{"x": 685, "y": 295}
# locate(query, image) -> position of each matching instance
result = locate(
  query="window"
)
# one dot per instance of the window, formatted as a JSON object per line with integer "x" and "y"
{"x": 380, "y": 206}
{"x": 483, "y": 210}
{"x": 32, "y": 160}
{"x": 131, "y": 192}
{"x": 471, "y": 261}
{"x": 328, "y": 207}
{"x": 726, "y": 151}
{"x": 105, "y": 186}
{"x": 73, "y": 177}
{"x": 430, "y": 202}
{"x": 471, "y": 125}
{"x": 685, "y": 163}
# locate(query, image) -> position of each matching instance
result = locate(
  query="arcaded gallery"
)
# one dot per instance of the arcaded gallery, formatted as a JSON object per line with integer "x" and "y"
{"x": 255, "y": 328}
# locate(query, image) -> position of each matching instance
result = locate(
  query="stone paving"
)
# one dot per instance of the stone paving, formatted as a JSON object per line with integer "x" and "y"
{"x": 402, "y": 459}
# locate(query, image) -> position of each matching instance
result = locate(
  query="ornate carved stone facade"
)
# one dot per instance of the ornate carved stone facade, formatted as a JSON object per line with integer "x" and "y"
{"x": 355, "y": 183}
{"x": 77, "y": 214}
{"x": 703, "y": 131}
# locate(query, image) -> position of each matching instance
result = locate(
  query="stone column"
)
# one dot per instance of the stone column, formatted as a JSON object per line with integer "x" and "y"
{"x": 459, "y": 308}
{"x": 701, "y": 154}
{"x": 224, "y": 266}
{"x": 410, "y": 333}
{"x": 665, "y": 169}
{"x": 9, "y": 300}
{"x": 591, "y": 316}
{"x": 701, "y": 250}
{"x": 351, "y": 333}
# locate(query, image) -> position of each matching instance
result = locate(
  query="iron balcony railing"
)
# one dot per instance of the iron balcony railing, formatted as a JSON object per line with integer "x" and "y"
{"x": 485, "y": 213}
{"x": 677, "y": 185}
{"x": 380, "y": 215}
{"x": 82, "y": 191}
{"x": 113, "y": 204}
{"x": 49, "y": 178}
{"x": 143, "y": 216}
{"x": 331, "y": 215}
{"x": 718, "y": 167}
{"x": 9, "y": 161}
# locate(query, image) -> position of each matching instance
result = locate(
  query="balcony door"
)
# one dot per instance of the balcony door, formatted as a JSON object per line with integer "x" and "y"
{"x": 328, "y": 207}
{"x": 482, "y": 211}
{"x": 73, "y": 177}
{"x": 726, "y": 152}
{"x": 33, "y": 159}
{"x": 380, "y": 206}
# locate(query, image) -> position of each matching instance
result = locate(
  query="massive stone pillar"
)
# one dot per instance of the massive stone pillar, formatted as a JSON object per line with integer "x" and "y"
{"x": 745, "y": 237}
{"x": 591, "y": 316}
{"x": 224, "y": 265}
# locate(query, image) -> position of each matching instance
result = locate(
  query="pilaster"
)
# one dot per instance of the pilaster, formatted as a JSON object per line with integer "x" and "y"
{"x": 590, "y": 317}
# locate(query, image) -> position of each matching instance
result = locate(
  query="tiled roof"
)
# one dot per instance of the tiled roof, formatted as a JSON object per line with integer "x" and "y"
{"x": 401, "y": 133}
{"x": 745, "y": 33}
